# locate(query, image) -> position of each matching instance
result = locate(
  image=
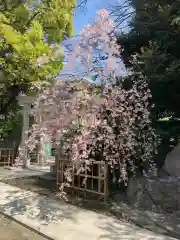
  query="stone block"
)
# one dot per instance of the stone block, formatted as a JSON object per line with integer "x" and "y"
{"x": 147, "y": 192}
{"x": 172, "y": 162}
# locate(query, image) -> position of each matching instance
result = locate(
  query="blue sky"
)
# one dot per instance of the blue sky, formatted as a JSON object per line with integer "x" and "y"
{"x": 87, "y": 14}
{"x": 83, "y": 16}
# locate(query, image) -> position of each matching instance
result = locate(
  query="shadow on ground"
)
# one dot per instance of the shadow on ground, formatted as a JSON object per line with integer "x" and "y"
{"x": 45, "y": 211}
{"x": 161, "y": 223}
{"x": 128, "y": 232}
{"x": 35, "y": 207}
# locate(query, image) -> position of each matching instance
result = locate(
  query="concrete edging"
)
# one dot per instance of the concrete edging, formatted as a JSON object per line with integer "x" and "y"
{"x": 26, "y": 226}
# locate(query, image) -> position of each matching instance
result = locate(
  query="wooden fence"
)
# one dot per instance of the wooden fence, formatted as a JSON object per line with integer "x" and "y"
{"x": 92, "y": 183}
{"x": 6, "y": 156}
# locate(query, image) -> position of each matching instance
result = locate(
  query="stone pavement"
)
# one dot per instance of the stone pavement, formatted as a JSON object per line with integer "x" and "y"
{"x": 167, "y": 224}
{"x": 10, "y": 230}
{"x": 19, "y": 172}
{"x": 61, "y": 221}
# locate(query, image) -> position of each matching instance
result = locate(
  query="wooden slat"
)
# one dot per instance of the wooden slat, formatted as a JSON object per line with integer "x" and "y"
{"x": 6, "y": 156}
{"x": 100, "y": 170}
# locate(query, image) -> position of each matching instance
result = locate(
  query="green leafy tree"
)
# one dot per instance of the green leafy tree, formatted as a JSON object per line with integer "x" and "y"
{"x": 155, "y": 34}
{"x": 30, "y": 33}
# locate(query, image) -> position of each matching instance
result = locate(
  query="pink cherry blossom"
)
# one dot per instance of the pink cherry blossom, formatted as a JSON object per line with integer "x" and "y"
{"x": 112, "y": 125}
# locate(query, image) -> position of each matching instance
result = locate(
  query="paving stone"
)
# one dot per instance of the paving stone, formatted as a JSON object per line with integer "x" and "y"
{"x": 11, "y": 230}
{"x": 60, "y": 220}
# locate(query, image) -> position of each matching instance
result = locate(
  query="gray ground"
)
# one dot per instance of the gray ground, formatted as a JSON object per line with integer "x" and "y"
{"x": 10, "y": 230}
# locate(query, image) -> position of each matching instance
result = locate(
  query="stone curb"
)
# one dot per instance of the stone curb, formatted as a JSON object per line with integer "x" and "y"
{"x": 145, "y": 222}
{"x": 33, "y": 229}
